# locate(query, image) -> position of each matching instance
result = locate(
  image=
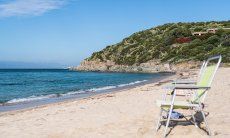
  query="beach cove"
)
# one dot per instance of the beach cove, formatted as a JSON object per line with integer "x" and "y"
{"x": 126, "y": 113}
{"x": 114, "y": 69}
{"x": 26, "y": 88}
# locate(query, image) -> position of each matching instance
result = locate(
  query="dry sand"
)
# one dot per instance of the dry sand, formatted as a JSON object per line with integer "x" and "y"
{"x": 128, "y": 113}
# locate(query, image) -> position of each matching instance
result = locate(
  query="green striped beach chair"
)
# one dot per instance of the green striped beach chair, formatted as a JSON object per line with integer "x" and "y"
{"x": 194, "y": 95}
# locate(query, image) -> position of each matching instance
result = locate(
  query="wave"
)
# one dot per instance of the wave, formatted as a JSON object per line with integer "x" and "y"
{"x": 43, "y": 97}
{"x": 73, "y": 93}
{"x": 132, "y": 83}
{"x": 31, "y": 98}
{"x": 112, "y": 87}
{"x": 102, "y": 88}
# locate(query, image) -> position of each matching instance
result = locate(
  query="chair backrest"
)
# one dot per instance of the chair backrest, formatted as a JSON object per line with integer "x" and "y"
{"x": 201, "y": 70}
{"x": 206, "y": 76}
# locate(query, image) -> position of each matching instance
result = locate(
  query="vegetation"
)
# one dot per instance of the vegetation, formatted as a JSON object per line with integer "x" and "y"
{"x": 172, "y": 42}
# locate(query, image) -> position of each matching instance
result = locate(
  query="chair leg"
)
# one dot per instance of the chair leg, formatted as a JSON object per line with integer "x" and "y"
{"x": 158, "y": 122}
{"x": 168, "y": 120}
{"x": 206, "y": 123}
{"x": 193, "y": 118}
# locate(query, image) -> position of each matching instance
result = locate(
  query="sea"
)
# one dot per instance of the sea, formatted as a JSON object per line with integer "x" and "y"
{"x": 21, "y": 88}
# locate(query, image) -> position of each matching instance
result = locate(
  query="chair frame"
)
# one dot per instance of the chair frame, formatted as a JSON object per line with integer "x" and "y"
{"x": 198, "y": 106}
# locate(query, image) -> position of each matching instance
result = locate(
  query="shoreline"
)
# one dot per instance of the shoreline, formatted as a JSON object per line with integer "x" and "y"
{"x": 6, "y": 107}
{"x": 100, "y": 71}
{"x": 125, "y": 113}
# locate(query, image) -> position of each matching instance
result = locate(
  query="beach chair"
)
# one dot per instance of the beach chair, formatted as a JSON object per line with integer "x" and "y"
{"x": 194, "y": 95}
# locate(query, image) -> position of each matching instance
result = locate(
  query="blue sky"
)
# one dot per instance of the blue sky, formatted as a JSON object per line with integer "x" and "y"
{"x": 64, "y": 32}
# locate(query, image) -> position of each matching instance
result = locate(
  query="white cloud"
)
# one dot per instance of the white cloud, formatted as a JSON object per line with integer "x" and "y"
{"x": 28, "y": 7}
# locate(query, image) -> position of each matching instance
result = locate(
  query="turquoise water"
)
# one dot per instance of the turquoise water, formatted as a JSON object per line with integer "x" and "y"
{"x": 36, "y": 84}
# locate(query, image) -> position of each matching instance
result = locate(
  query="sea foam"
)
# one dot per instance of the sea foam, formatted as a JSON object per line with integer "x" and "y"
{"x": 43, "y": 97}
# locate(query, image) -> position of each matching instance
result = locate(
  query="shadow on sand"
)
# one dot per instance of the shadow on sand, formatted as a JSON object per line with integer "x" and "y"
{"x": 186, "y": 121}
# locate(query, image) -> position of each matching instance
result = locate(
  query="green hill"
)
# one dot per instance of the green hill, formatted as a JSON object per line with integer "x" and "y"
{"x": 172, "y": 42}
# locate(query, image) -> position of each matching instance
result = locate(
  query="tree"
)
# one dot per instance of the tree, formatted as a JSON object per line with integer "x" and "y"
{"x": 213, "y": 39}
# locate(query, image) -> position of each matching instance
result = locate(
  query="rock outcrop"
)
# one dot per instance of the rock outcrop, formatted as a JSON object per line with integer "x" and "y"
{"x": 151, "y": 66}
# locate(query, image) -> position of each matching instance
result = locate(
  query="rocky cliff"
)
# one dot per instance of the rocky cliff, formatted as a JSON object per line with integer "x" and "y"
{"x": 151, "y": 66}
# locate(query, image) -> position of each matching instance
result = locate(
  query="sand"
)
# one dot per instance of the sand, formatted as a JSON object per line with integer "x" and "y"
{"x": 127, "y": 113}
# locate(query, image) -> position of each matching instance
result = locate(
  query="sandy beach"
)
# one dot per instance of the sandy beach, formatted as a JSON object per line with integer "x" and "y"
{"x": 127, "y": 113}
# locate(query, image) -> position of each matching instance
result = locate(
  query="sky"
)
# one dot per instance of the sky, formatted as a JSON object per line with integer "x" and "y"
{"x": 61, "y": 33}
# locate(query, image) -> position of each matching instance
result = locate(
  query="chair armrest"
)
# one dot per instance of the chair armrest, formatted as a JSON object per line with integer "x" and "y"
{"x": 191, "y": 87}
{"x": 184, "y": 82}
{"x": 172, "y": 86}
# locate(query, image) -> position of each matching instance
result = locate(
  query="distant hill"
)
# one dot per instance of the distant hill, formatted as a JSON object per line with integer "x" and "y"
{"x": 171, "y": 42}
